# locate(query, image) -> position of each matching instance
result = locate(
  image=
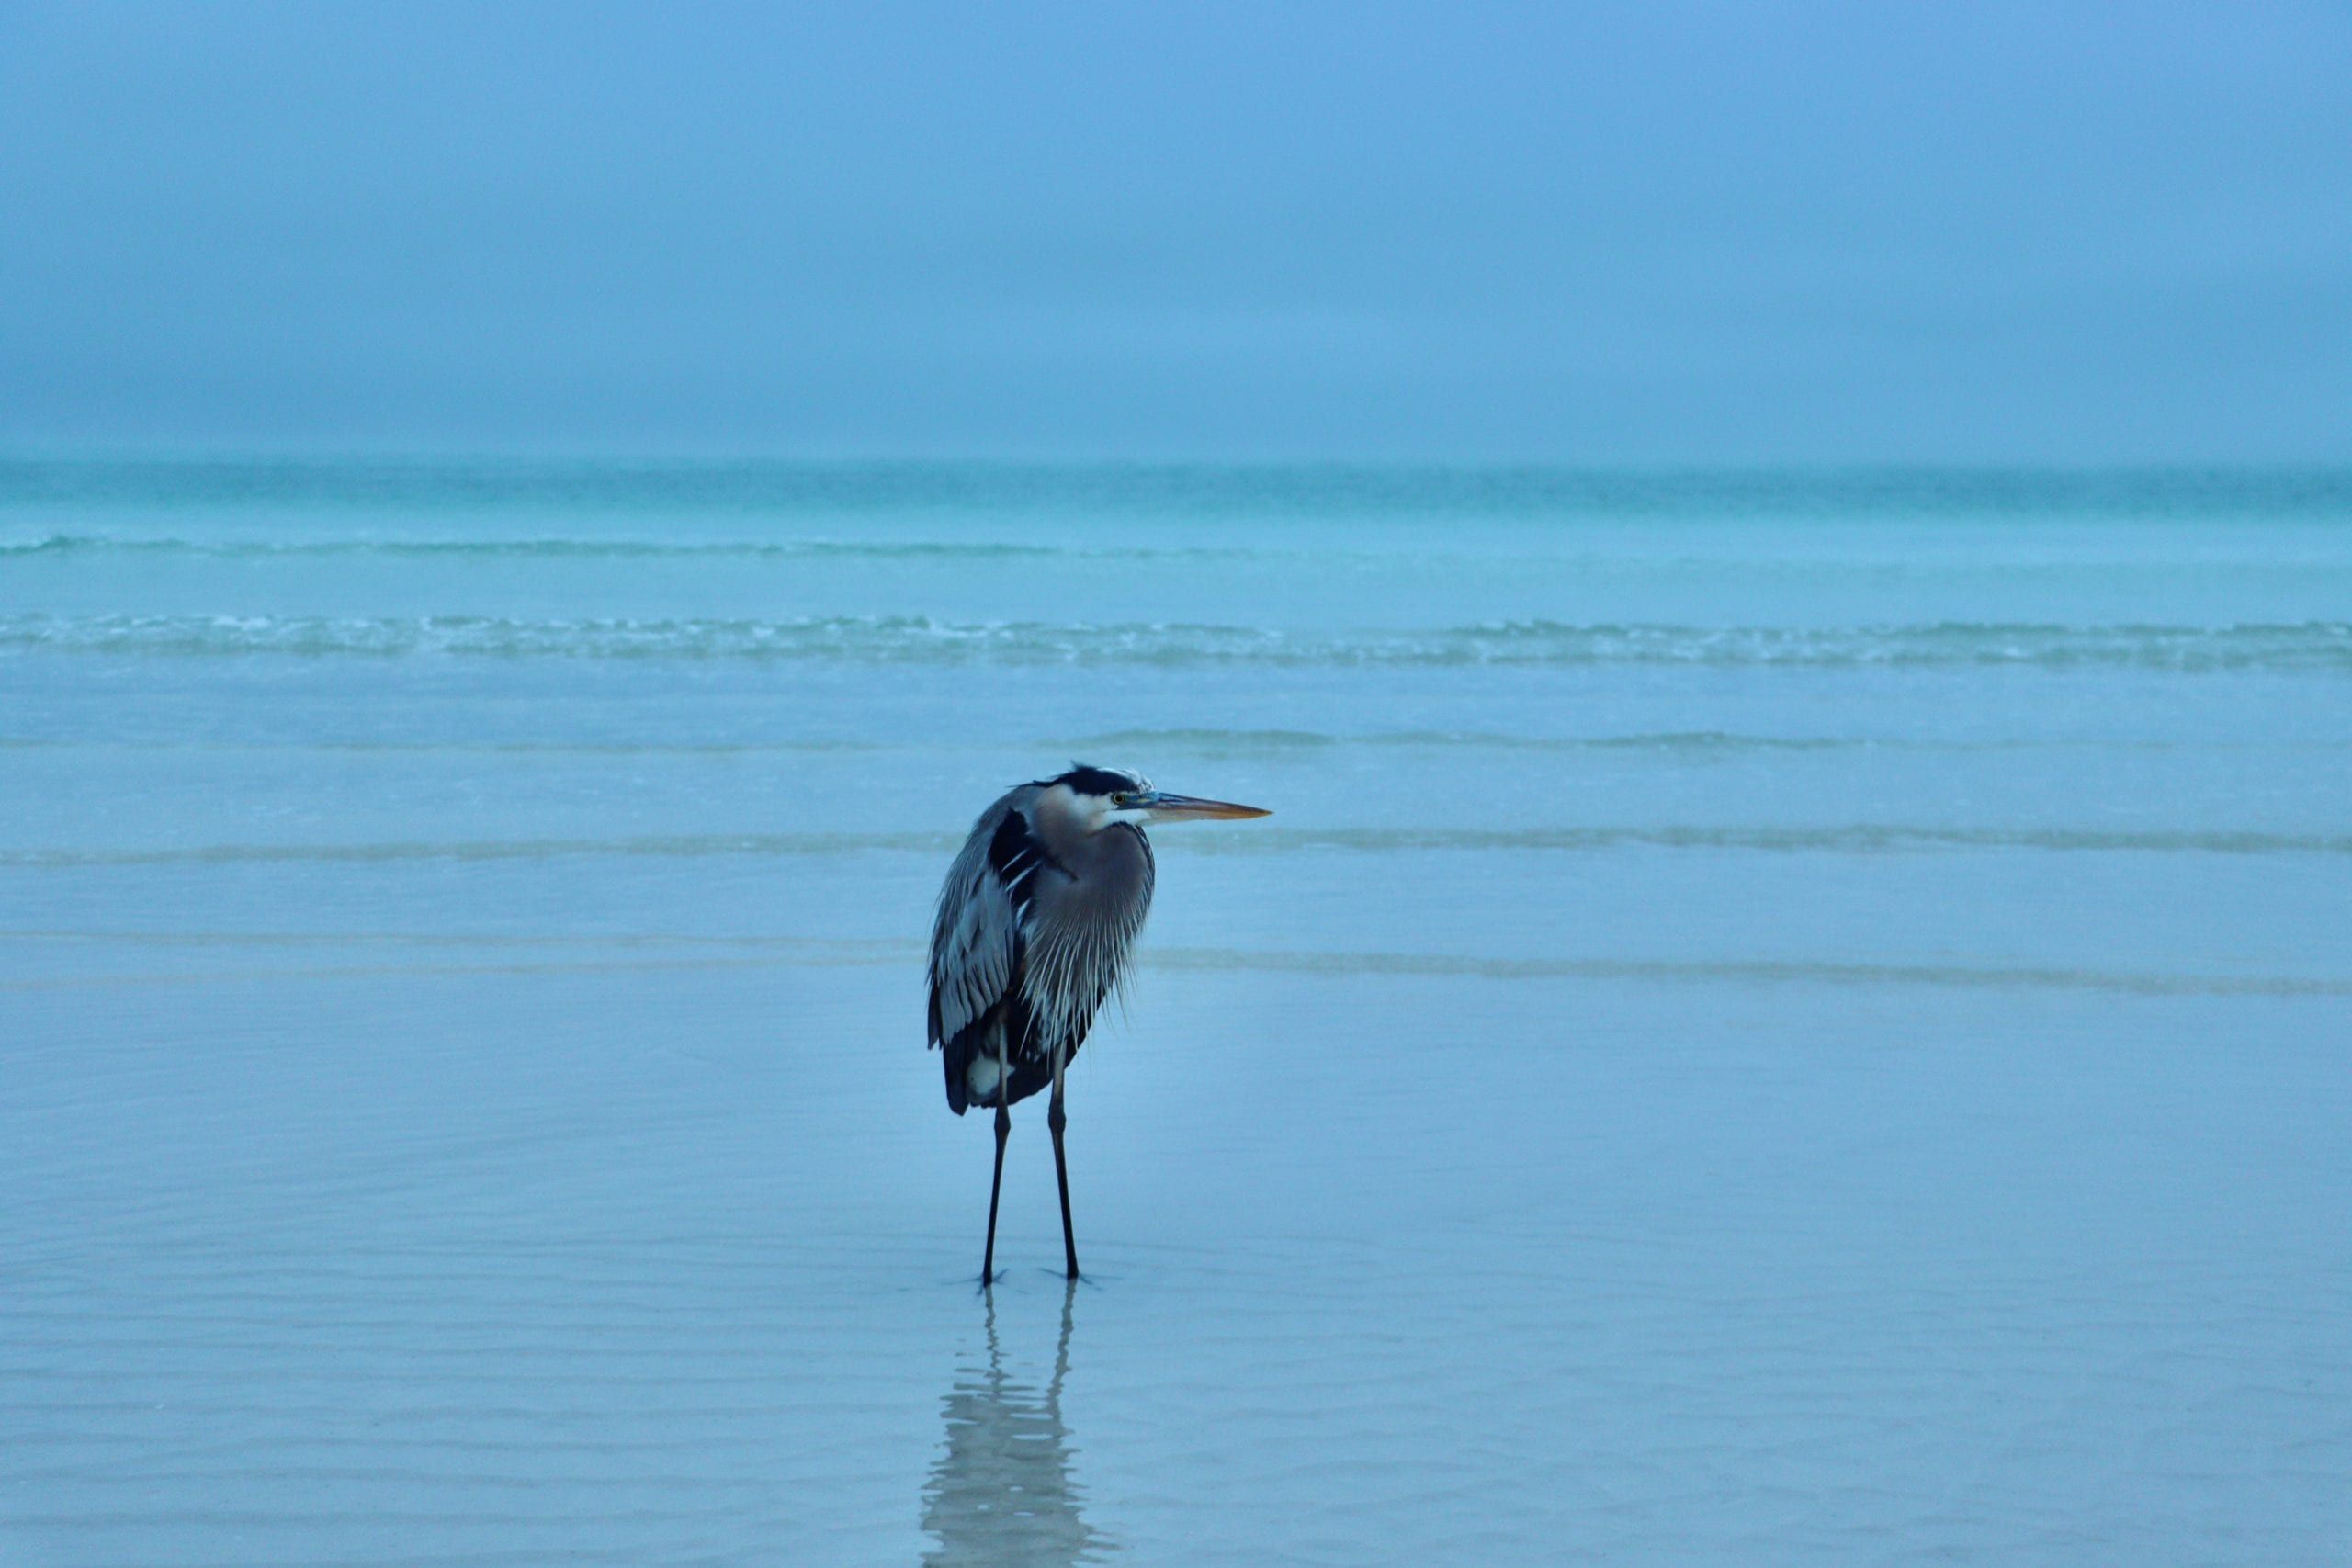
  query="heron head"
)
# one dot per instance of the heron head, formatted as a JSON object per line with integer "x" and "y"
{"x": 1103, "y": 796}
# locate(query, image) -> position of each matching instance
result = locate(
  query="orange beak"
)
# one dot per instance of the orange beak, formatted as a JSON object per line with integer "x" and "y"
{"x": 1166, "y": 807}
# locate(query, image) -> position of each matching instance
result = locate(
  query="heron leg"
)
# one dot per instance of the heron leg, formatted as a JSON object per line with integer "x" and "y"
{"x": 1055, "y": 1122}
{"x": 996, "y": 1184}
{"x": 1004, "y": 1131}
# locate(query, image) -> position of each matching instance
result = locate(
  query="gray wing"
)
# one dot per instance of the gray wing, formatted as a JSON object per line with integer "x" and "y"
{"x": 977, "y": 940}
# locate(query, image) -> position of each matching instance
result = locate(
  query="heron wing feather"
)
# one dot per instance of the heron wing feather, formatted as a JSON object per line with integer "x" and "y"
{"x": 975, "y": 940}
{"x": 979, "y": 940}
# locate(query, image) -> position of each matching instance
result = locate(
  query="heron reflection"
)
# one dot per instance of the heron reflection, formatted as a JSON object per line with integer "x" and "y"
{"x": 1002, "y": 1493}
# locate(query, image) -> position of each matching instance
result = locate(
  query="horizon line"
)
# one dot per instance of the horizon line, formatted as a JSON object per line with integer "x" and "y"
{"x": 322, "y": 455}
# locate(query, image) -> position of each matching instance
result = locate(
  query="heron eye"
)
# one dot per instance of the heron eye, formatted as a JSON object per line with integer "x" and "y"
{"x": 1121, "y": 798}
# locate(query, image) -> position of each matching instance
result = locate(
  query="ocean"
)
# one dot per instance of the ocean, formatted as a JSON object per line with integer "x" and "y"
{"x": 1780, "y": 1017}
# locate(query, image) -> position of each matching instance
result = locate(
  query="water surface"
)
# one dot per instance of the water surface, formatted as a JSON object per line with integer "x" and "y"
{"x": 1780, "y": 1017}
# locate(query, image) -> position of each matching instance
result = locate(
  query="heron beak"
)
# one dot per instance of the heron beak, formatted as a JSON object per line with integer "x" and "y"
{"x": 1166, "y": 807}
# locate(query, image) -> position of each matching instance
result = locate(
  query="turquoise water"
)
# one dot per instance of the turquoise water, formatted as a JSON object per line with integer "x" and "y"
{"x": 1780, "y": 1016}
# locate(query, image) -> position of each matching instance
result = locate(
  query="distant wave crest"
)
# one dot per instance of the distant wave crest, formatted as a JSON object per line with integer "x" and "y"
{"x": 1282, "y": 489}
{"x": 2312, "y": 645}
{"x": 557, "y": 548}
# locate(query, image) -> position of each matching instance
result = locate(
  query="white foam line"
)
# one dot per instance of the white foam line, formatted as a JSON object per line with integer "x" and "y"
{"x": 1717, "y": 971}
{"x": 1859, "y": 838}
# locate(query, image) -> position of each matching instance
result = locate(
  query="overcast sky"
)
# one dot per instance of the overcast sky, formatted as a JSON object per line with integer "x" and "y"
{"x": 1644, "y": 233}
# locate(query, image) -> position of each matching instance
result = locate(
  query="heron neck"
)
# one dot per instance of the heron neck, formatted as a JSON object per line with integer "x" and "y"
{"x": 1082, "y": 851}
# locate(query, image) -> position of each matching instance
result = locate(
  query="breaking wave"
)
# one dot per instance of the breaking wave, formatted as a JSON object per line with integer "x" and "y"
{"x": 2311, "y": 645}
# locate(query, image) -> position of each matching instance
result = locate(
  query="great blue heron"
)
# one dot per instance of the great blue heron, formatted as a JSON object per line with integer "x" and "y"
{"x": 1036, "y": 923}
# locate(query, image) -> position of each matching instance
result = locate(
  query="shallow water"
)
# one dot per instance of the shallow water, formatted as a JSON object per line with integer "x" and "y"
{"x": 1781, "y": 1018}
